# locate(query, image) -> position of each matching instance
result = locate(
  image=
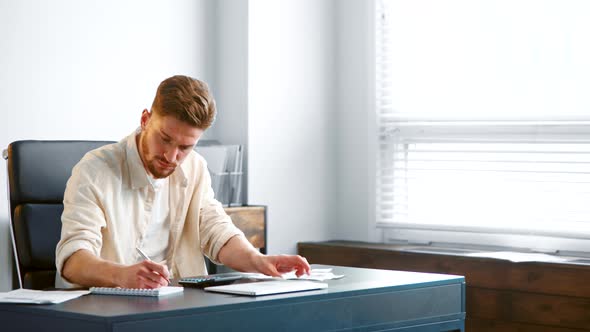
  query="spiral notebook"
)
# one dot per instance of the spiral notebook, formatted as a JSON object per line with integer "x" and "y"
{"x": 162, "y": 291}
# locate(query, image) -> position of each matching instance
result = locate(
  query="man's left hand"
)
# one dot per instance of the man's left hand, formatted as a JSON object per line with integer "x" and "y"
{"x": 276, "y": 265}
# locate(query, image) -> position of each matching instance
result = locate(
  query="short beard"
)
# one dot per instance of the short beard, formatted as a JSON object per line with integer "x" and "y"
{"x": 156, "y": 174}
{"x": 150, "y": 163}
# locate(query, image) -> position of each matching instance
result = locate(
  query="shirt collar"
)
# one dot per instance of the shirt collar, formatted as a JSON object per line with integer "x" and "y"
{"x": 137, "y": 174}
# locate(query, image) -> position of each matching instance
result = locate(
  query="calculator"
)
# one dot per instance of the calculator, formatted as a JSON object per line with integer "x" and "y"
{"x": 210, "y": 280}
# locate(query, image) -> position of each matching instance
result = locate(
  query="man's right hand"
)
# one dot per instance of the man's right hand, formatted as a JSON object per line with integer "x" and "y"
{"x": 146, "y": 274}
{"x": 85, "y": 269}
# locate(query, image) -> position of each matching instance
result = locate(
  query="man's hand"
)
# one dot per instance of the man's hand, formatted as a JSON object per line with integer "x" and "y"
{"x": 146, "y": 274}
{"x": 85, "y": 269}
{"x": 277, "y": 265}
{"x": 239, "y": 254}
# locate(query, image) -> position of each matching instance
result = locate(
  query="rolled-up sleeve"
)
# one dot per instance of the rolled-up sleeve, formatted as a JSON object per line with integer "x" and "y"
{"x": 82, "y": 218}
{"x": 216, "y": 227}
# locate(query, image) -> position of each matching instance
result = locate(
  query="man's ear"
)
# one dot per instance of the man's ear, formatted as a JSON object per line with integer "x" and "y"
{"x": 145, "y": 117}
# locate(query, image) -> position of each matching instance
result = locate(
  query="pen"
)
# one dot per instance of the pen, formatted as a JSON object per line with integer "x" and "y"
{"x": 146, "y": 257}
{"x": 142, "y": 254}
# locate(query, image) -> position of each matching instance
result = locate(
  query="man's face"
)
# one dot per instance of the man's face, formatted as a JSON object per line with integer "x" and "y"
{"x": 164, "y": 143}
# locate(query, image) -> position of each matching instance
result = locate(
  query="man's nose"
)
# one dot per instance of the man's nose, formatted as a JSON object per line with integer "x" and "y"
{"x": 171, "y": 155}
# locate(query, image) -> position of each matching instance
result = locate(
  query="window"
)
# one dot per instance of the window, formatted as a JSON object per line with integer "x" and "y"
{"x": 483, "y": 110}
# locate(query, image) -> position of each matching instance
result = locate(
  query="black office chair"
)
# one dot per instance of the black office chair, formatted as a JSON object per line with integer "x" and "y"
{"x": 37, "y": 176}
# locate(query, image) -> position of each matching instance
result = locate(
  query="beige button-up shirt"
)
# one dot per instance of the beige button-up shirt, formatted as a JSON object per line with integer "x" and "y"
{"x": 108, "y": 202}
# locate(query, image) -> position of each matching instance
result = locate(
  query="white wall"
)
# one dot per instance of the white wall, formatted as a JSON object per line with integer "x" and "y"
{"x": 289, "y": 78}
{"x": 291, "y": 122}
{"x": 230, "y": 80}
{"x": 85, "y": 70}
{"x": 356, "y": 131}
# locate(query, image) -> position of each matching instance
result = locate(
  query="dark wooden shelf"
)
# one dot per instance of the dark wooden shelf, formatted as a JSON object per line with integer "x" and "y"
{"x": 252, "y": 221}
{"x": 501, "y": 295}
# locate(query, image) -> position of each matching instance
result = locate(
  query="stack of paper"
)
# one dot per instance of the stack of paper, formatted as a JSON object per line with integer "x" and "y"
{"x": 39, "y": 297}
{"x": 315, "y": 274}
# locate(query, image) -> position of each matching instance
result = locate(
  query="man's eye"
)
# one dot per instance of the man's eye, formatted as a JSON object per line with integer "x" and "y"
{"x": 165, "y": 140}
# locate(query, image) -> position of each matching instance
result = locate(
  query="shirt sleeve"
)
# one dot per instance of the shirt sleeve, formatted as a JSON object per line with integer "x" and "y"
{"x": 216, "y": 227}
{"x": 82, "y": 218}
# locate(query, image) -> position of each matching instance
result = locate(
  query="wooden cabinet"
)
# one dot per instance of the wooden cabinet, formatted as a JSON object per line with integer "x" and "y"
{"x": 501, "y": 296}
{"x": 252, "y": 221}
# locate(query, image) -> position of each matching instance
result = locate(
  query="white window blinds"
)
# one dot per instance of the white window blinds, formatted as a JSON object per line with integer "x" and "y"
{"x": 483, "y": 112}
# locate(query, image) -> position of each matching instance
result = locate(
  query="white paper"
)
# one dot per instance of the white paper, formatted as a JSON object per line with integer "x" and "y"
{"x": 520, "y": 256}
{"x": 315, "y": 274}
{"x": 319, "y": 276}
{"x": 39, "y": 297}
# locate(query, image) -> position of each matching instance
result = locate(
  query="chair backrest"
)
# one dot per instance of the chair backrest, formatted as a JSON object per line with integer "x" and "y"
{"x": 37, "y": 176}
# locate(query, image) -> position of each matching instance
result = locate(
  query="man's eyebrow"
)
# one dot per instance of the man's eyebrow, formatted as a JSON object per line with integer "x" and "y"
{"x": 163, "y": 133}
{"x": 186, "y": 146}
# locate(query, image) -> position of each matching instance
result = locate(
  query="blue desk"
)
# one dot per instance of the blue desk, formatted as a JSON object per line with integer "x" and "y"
{"x": 365, "y": 300}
